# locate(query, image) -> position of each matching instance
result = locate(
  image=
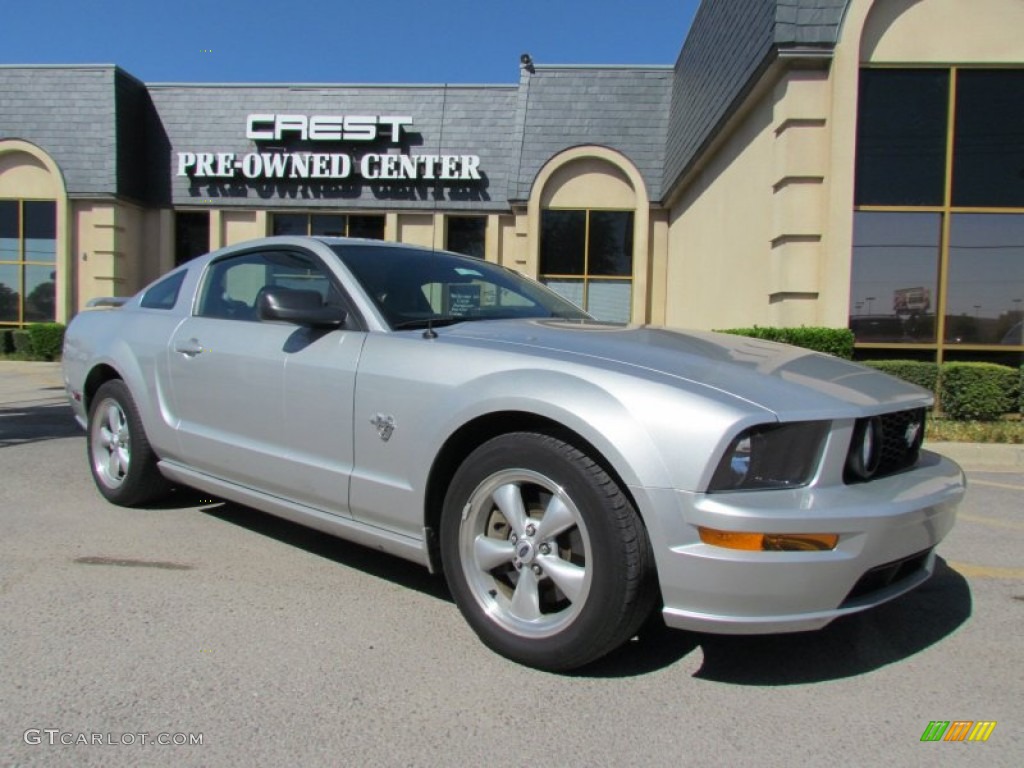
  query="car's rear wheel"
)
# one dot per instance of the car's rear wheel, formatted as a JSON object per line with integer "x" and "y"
{"x": 544, "y": 554}
{"x": 122, "y": 462}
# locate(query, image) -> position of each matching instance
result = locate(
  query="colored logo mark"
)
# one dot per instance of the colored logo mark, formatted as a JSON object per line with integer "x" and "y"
{"x": 958, "y": 730}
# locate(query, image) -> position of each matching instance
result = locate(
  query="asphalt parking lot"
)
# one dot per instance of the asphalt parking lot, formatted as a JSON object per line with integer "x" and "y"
{"x": 200, "y": 621}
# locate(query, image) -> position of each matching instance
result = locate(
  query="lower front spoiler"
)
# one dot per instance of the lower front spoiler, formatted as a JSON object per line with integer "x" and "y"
{"x": 678, "y": 618}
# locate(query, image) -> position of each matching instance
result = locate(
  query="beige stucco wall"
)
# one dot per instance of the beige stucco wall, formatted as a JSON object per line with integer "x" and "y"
{"x": 98, "y": 270}
{"x": 720, "y": 229}
{"x": 492, "y": 239}
{"x": 588, "y": 182}
{"x": 119, "y": 247}
{"x": 418, "y": 229}
{"x": 158, "y": 248}
{"x": 762, "y": 232}
{"x": 24, "y": 176}
{"x": 940, "y": 31}
{"x": 228, "y": 227}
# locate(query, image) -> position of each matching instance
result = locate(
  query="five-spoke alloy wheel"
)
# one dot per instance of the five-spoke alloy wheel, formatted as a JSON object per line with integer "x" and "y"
{"x": 544, "y": 554}
{"x": 122, "y": 462}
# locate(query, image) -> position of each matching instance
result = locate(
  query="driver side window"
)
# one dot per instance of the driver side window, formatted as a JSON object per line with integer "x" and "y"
{"x": 232, "y": 285}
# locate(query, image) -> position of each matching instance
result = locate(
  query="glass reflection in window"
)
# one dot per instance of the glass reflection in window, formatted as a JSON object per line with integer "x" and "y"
{"x": 986, "y": 279}
{"x": 895, "y": 276}
{"x": 10, "y": 293}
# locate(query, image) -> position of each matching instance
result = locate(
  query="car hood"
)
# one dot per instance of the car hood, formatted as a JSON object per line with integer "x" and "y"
{"x": 790, "y": 381}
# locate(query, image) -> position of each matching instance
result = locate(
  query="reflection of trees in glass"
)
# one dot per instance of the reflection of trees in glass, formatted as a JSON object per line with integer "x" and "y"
{"x": 41, "y": 303}
{"x": 8, "y": 304}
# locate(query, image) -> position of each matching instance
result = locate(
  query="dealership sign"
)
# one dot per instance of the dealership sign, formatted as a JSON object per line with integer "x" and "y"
{"x": 327, "y": 165}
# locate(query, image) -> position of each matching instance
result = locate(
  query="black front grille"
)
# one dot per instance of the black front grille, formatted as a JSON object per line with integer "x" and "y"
{"x": 882, "y": 576}
{"x": 901, "y": 435}
{"x": 900, "y": 447}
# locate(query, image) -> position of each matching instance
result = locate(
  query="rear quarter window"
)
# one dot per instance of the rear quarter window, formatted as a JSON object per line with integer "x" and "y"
{"x": 164, "y": 295}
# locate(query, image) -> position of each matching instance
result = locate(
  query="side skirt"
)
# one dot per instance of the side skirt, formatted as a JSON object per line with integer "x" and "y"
{"x": 342, "y": 527}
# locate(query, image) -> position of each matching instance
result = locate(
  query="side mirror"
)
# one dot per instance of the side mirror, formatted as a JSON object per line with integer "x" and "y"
{"x": 291, "y": 305}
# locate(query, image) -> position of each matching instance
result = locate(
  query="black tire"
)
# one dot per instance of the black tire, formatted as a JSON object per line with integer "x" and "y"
{"x": 558, "y": 578}
{"x": 121, "y": 460}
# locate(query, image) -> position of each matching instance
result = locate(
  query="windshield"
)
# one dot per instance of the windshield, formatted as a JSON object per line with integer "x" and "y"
{"x": 413, "y": 288}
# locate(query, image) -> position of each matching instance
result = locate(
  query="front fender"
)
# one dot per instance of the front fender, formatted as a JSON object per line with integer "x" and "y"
{"x": 652, "y": 432}
{"x": 581, "y": 406}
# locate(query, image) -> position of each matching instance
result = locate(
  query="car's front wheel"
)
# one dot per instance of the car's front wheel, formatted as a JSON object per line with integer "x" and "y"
{"x": 544, "y": 554}
{"x": 122, "y": 462}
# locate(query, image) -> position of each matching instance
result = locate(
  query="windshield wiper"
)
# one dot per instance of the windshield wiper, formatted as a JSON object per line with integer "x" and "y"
{"x": 428, "y": 322}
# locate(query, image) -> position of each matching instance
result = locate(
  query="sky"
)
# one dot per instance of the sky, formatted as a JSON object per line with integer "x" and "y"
{"x": 340, "y": 41}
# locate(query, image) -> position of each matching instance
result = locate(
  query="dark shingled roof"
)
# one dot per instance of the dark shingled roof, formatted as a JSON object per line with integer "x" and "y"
{"x": 69, "y": 113}
{"x": 624, "y": 108}
{"x": 730, "y": 44}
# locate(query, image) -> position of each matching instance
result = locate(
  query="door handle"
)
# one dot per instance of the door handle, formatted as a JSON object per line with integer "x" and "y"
{"x": 189, "y": 348}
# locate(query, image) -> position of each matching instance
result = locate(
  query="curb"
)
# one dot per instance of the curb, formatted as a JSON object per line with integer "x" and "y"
{"x": 24, "y": 382}
{"x": 982, "y": 456}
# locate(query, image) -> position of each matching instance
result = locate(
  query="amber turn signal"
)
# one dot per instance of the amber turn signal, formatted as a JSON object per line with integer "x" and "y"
{"x": 770, "y": 542}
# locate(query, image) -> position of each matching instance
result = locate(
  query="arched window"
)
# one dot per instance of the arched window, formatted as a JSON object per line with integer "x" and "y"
{"x": 28, "y": 261}
{"x": 32, "y": 200}
{"x": 591, "y": 214}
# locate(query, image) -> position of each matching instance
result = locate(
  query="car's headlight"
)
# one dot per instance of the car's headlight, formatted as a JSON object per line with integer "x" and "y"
{"x": 771, "y": 456}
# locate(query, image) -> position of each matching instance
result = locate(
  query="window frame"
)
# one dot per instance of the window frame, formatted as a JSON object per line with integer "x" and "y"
{"x": 21, "y": 264}
{"x": 586, "y": 277}
{"x": 354, "y": 320}
{"x": 947, "y": 210}
{"x": 346, "y": 215}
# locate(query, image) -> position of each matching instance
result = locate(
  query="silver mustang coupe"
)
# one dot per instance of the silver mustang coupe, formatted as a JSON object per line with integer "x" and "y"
{"x": 569, "y": 477}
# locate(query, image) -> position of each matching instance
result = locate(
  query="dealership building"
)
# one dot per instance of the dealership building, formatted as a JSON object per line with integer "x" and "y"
{"x": 846, "y": 163}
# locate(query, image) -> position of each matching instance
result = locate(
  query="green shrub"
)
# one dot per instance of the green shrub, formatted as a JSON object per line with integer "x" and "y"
{"x": 47, "y": 339}
{"x": 918, "y": 372}
{"x": 982, "y": 391}
{"x": 6, "y": 342}
{"x": 1020, "y": 389}
{"x": 22, "y": 341}
{"x": 831, "y": 341}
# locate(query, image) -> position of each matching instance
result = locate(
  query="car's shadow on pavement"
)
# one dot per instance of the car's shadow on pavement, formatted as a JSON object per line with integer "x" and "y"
{"x": 394, "y": 569}
{"x": 850, "y": 646}
{"x": 34, "y": 420}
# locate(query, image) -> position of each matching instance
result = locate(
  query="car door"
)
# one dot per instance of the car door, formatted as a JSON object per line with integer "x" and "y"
{"x": 267, "y": 405}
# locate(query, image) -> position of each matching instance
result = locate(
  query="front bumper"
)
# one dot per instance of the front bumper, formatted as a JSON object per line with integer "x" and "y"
{"x": 887, "y": 528}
